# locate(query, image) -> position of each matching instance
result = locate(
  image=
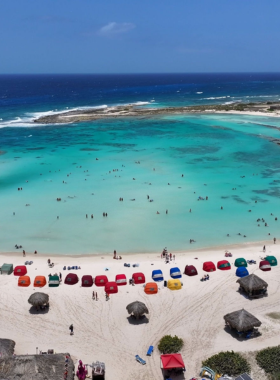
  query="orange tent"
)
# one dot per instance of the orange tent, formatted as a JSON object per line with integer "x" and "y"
{"x": 40, "y": 281}
{"x": 24, "y": 281}
{"x": 151, "y": 288}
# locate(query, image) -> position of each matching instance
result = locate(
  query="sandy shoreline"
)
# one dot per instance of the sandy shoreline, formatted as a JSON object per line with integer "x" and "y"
{"x": 102, "y": 329}
{"x": 188, "y": 252}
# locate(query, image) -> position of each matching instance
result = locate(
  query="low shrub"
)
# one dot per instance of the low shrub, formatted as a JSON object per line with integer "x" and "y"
{"x": 170, "y": 344}
{"x": 269, "y": 360}
{"x": 229, "y": 362}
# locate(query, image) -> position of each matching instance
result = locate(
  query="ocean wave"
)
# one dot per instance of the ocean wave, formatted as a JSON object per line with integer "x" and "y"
{"x": 199, "y": 92}
{"x": 140, "y": 103}
{"x": 217, "y": 97}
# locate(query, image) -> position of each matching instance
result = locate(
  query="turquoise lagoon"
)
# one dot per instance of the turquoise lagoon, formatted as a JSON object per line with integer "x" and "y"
{"x": 97, "y": 162}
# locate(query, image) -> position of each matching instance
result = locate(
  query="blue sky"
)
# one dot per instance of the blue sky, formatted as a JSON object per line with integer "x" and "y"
{"x": 132, "y": 36}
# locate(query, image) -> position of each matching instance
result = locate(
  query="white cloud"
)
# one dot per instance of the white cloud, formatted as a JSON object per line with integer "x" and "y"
{"x": 113, "y": 28}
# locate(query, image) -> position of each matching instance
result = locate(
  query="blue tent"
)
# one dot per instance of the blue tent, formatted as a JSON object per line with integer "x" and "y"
{"x": 241, "y": 272}
{"x": 157, "y": 275}
{"x": 175, "y": 272}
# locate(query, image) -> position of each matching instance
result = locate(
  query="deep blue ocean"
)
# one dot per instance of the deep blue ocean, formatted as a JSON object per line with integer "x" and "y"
{"x": 229, "y": 158}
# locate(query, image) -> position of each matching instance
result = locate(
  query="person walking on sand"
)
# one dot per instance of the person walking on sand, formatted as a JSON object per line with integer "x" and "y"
{"x": 264, "y": 248}
{"x": 71, "y": 328}
{"x": 274, "y": 240}
{"x": 93, "y": 295}
{"x": 23, "y": 253}
{"x": 96, "y": 297}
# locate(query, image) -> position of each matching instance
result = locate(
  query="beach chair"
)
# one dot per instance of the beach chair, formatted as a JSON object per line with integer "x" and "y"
{"x": 141, "y": 361}
{"x": 150, "y": 350}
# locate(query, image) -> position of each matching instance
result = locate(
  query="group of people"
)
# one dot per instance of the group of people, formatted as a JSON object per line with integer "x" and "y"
{"x": 167, "y": 256}
{"x": 205, "y": 277}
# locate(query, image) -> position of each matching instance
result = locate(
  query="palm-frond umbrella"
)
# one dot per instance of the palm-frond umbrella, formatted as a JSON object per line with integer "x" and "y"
{"x": 38, "y": 299}
{"x": 137, "y": 308}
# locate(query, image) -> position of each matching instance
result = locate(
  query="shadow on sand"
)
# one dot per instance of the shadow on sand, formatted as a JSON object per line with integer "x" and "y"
{"x": 33, "y": 310}
{"x": 134, "y": 321}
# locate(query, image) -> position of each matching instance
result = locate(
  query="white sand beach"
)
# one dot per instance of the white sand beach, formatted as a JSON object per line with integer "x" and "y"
{"x": 102, "y": 330}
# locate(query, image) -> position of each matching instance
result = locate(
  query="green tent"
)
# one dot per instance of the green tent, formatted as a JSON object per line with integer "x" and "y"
{"x": 240, "y": 262}
{"x": 272, "y": 260}
{"x": 53, "y": 281}
{"x": 7, "y": 269}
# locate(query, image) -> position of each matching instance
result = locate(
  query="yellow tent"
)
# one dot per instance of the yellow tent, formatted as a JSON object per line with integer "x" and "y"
{"x": 174, "y": 284}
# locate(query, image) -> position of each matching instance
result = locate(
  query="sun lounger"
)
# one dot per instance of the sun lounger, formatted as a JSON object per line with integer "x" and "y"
{"x": 126, "y": 265}
{"x": 150, "y": 350}
{"x": 141, "y": 361}
{"x": 135, "y": 265}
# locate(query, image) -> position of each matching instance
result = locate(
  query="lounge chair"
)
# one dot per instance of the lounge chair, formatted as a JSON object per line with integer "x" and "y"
{"x": 141, "y": 361}
{"x": 150, "y": 350}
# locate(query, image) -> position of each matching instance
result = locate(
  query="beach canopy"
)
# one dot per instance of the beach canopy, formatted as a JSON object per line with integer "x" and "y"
{"x": 53, "y": 281}
{"x": 24, "y": 281}
{"x": 175, "y": 273}
{"x": 151, "y": 288}
{"x": 71, "y": 279}
{"x": 111, "y": 287}
{"x": 242, "y": 320}
{"x": 138, "y": 278}
{"x": 252, "y": 283}
{"x": 38, "y": 299}
{"x": 40, "y": 281}
{"x": 157, "y": 275}
{"x": 241, "y": 272}
{"x": 20, "y": 270}
{"x": 7, "y": 269}
{"x": 137, "y": 308}
{"x": 272, "y": 260}
{"x": 223, "y": 265}
{"x": 101, "y": 280}
{"x": 174, "y": 284}
{"x": 265, "y": 265}
{"x": 209, "y": 266}
{"x": 190, "y": 270}
{"x": 240, "y": 262}
{"x": 87, "y": 281}
{"x": 121, "y": 279}
{"x": 169, "y": 361}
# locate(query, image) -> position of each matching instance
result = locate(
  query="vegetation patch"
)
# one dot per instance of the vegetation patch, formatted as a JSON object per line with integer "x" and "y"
{"x": 229, "y": 362}
{"x": 170, "y": 344}
{"x": 269, "y": 360}
{"x": 274, "y": 315}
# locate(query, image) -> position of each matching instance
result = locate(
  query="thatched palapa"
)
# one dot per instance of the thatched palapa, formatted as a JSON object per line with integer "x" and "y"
{"x": 253, "y": 285}
{"x": 137, "y": 309}
{"x": 38, "y": 299}
{"x": 7, "y": 347}
{"x": 39, "y": 367}
{"x": 241, "y": 320}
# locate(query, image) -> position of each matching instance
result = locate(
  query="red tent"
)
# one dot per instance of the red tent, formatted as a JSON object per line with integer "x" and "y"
{"x": 265, "y": 265}
{"x": 20, "y": 270}
{"x": 101, "y": 280}
{"x": 111, "y": 287}
{"x": 170, "y": 361}
{"x": 190, "y": 270}
{"x": 87, "y": 281}
{"x": 223, "y": 265}
{"x": 138, "y": 278}
{"x": 208, "y": 266}
{"x": 71, "y": 279}
{"x": 121, "y": 279}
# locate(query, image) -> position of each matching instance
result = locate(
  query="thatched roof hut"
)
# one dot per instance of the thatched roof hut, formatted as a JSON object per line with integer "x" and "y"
{"x": 253, "y": 285}
{"x": 241, "y": 320}
{"x": 39, "y": 367}
{"x": 38, "y": 299}
{"x": 137, "y": 308}
{"x": 7, "y": 347}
